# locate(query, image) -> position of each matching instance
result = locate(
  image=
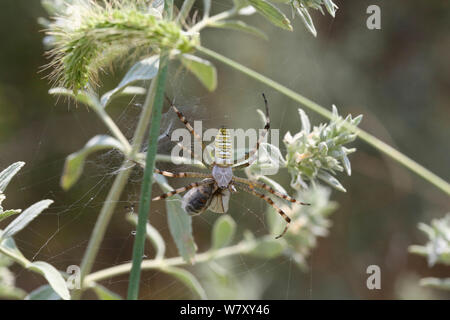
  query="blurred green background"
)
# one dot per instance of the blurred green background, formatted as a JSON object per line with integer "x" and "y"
{"x": 398, "y": 77}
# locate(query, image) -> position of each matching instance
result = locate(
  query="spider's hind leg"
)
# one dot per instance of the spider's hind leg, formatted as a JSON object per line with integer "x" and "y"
{"x": 250, "y": 190}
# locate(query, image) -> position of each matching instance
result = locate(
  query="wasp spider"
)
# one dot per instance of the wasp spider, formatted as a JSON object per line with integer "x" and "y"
{"x": 213, "y": 192}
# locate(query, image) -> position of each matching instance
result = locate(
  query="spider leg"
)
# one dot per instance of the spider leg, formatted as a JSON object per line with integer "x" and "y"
{"x": 269, "y": 189}
{"x": 191, "y": 154}
{"x": 183, "y": 174}
{"x": 183, "y": 189}
{"x": 249, "y": 155}
{"x": 188, "y": 125}
{"x": 250, "y": 189}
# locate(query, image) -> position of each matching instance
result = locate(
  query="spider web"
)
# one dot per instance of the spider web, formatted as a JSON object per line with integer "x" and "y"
{"x": 46, "y": 239}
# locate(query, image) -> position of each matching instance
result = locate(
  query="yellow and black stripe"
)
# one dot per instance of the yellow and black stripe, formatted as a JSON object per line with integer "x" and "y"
{"x": 223, "y": 148}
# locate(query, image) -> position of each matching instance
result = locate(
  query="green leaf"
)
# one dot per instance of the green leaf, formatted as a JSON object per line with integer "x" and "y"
{"x": 332, "y": 181}
{"x": 202, "y": 69}
{"x": 44, "y": 292}
{"x": 9, "y": 245}
{"x": 153, "y": 235}
{"x": 7, "y": 174}
{"x": 239, "y": 26}
{"x": 145, "y": 69}
{"x": 188, "y": 279}
{"x": 104, "y": 293}
{"x": 53, "y": 277}
{"x": 307, "y": 20}
{"x": 306, "y": 125}
{"x": 25, "y": 218}
{"x": 346, "y": 164}
{"x": 268, "y": 248}
{"x": 271, "y": 13}
{"x": 331, "y": 7}
{"x": 223, "y": 232}
{"x": 180, "y": 223}
{"x": 8, "y": 213}
{"x": 73, "y": 167}
{"x": 127, "y": 91}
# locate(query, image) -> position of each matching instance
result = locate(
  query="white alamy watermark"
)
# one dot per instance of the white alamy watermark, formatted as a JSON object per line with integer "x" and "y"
{"x": 74, "y": 280}
{"x": 240, "y": 143}
{"x": 374, "y": 20}
{"x": 374, "y": 280}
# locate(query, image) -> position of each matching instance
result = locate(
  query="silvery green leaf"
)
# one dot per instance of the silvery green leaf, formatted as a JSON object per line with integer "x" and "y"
{"x": 246, "y": 11}
{"x": 25, "y": 218}
{"x": 223, "y": 232}
{"x": 443, "y": 284}
{"x": 44, "y": 292}
{"x": 332, "y": 181}
{"x": 8, "y": 244}
{"x": 8, "y": 213}
{"x": 346, "y": 164}
{"x": 153, "y": 235}
{"x": 306, "y": 125}
{"x": 73, "y": 167}
{"x": 53, "y": 277}
{"x": 202, "y": 69}
{"x": 268, "y": 248}
{"x": 7, "y": 174}
{"x": 307, "y": 20}
{"x": 82, "y": 96}
{"x": 335, "y": 111}
{"x": 239, "y": 26}
{"x": 104, "y": 293}
{"x": 331, "y": 7}
{"x": 145, "y": 69}
{"x": 188, "y": 279}
{"x": 429, "y": 231}
{"x": 356, "y": 121}
{"x": 180, "y": 223}
{"x": 128, "y": 91}
{"x": 271, "y": 13}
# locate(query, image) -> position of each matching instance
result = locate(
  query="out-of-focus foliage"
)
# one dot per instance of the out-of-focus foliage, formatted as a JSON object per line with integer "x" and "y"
{"x": 436, "y": 250}
{"x": 308, "y": 222}
{"x": 9, "y": 248}
{"x": 8, "y": 289}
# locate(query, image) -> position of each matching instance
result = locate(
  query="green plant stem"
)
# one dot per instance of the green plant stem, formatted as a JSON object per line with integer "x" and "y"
{"x": 184, "y": 11}
{"x": 240, "y": 248}
{"x": 24, "y": 262}
{"x": 146, "y": 190}
{"x": 114, "y": 193}
{"x": 114, "y": 129}
{"x": 210, "y": 20}
{"x": 370, "y": 139}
